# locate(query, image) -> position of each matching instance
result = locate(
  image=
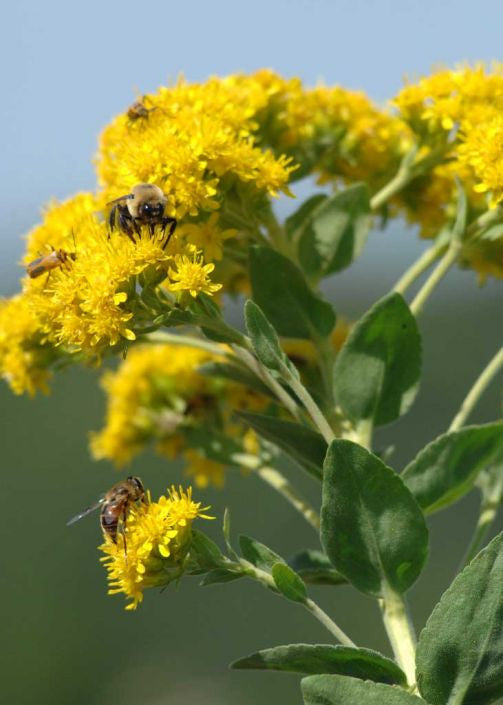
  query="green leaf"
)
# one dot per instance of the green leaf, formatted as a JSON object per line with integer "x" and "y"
{"x": 281, "y": 291}
{"x": 446, "y": 469}
{"x": 296, "y": 223}
{"x": 258, "y": 554}
{"x": 342, "y": 690}
{"x": 377, "y": 371}
{"x": 315, "y": 568}
{"x": 220, "y": 575}
{"x": 371, "y": 527}
{"x": 212, "y": 444}
{"x": 263, "y": 337}
{"x": 205, "y": 551}
{"x": 235, "y": 373}
{"x": 337, "y": 232}
{"x": 305, "y": 446}
{"x": 460, "y": 651}
{"x": 288, "y": 583}
{"x": 323, "y": 658}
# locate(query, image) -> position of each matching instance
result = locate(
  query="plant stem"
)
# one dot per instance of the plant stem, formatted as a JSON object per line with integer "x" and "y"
{"x": 418, "y": 267}
{"x": 435, "y": 277}
{"x": 267, "y": 580}
{"x": 275, "y": 479}
{"x": 400, "y": 632}
{"x": 310, "y": 405}
{"x": 188, "y": 340}
{"x": 327, "y": 622}
{"x": 477, "y": 390}
{"x": 488, "y": 511}
{"x": 264, "y": 374}
{"x": 401, "y": 179}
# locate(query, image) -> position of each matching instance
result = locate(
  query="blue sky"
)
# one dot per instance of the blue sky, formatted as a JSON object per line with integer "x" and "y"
{"x": 72, "y": 66}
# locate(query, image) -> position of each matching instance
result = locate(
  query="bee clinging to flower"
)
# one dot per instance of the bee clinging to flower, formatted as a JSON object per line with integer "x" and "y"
{"x": 145, "y": 205}
{"x": 138, "y": 110}
{"x": 115, "y": 505}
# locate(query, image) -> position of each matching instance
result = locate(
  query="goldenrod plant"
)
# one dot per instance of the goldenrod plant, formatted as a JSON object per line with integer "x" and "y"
{"x": 147, "y": 286}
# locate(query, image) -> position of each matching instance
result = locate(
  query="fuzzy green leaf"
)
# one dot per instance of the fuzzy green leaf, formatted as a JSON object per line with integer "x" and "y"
{"x": 301, "y": 443}
{"x": 315, "y": 568}
{"x": 263, "y": 337}
{"x": 296, "y": 223}
{"x": 281, "y": 291}
{"x": 460, "y": 651}
{"x": 337, "y": 231}
{"x": 220, "y": 575}
{"x": 446, "y": 469}
{"x": 258, "y": 554}
{"x": 371, "y": 527}
{"x": 342, "y": 690}
{"x": 323, "y": 658}
{"x": 377, "y": 371}
{"x": 205, "y": 551}
{"x": 288, "y": 583}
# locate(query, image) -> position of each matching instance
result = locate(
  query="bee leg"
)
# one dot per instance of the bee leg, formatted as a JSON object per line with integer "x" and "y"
{"x": 125, "y": 224}
{"x": 172, "y": 227}
{"x": 112, "y": 219}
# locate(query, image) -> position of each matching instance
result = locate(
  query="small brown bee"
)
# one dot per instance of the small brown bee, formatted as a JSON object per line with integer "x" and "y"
{"x": 115, "y": 505}
{"x": 138, "y": 110}
{"x": 145, "y": 205}
{"x": 46, "y": 263}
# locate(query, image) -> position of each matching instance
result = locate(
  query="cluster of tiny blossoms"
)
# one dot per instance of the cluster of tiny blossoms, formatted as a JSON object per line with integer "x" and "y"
{"x": 160, "y": 395}
{"x": 458, "y": 113}
{"x": 219, "y": 150}
{"x": 153, "y": 546}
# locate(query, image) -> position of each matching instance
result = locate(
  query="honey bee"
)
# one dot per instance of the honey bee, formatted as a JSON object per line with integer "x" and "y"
{"x": 115, "y": 505}
{"x": 46, "y": 263}
{"x": 138, "y": 110}
{"x": 145, "y": 205}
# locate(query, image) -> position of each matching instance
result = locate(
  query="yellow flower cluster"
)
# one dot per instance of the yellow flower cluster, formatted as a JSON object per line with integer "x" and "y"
{"x": 157, "y": 394}
{"x": 22, "y": 355}
{"x": 459, "y": 112}
{"x": 153, "y": 546}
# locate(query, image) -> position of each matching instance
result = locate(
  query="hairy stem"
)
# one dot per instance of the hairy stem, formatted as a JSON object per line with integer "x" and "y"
{"x": 263, "y": 373}
{"x": 267, "y": 580}
{"x": 418, "y": 267}
{"x": 400, "y": 632}
{"x": 488, "y": 512}
{"x": 435, "y": 278}
{"x": 481, "y": 383}
{"x": 188, "y": 340}
{"x": 275, "y": 479}
{"x": 310, "y": 405}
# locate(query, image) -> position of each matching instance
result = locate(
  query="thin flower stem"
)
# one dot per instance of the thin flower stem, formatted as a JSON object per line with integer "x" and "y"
{"x": 275, "y": 479}
{"x": 417, "y": 268}
{"x": 435, "y": 278}
{"x": 267, "y": 580}
{"x": 488, "y": 512}
{"x": 263, "y": 373}
{"x": 482, "y": 382}
{"x": 310, "y": 405}
{"x": 327, "y": 622}
{"x": 400, "y": 632}
{"x": 188, "y": 340}
{"x": 401, "y": 179}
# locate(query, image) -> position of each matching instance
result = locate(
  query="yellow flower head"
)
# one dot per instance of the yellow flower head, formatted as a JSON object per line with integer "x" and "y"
{"x": 191, "y": 274}
{"x": 207, "y": 236}
{"x": 152, "y": 548}
{"x": 23, "y": 359}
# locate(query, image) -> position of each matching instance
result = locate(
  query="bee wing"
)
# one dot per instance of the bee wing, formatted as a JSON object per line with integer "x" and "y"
{"x": 121, "y": 198}
{"x": 85, "y": 512}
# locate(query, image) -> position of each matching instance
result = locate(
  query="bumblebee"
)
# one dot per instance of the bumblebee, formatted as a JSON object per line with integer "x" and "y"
{"x": 46, "y": 263}
{"x": 145, "y": 205}
{"x": 115, "y": 505}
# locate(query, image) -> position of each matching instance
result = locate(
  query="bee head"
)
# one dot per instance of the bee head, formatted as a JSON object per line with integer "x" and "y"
{"x": 137, "y": 484}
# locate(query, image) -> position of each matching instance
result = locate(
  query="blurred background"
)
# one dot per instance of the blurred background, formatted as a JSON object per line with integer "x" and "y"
{"x": 68, "y": 69}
